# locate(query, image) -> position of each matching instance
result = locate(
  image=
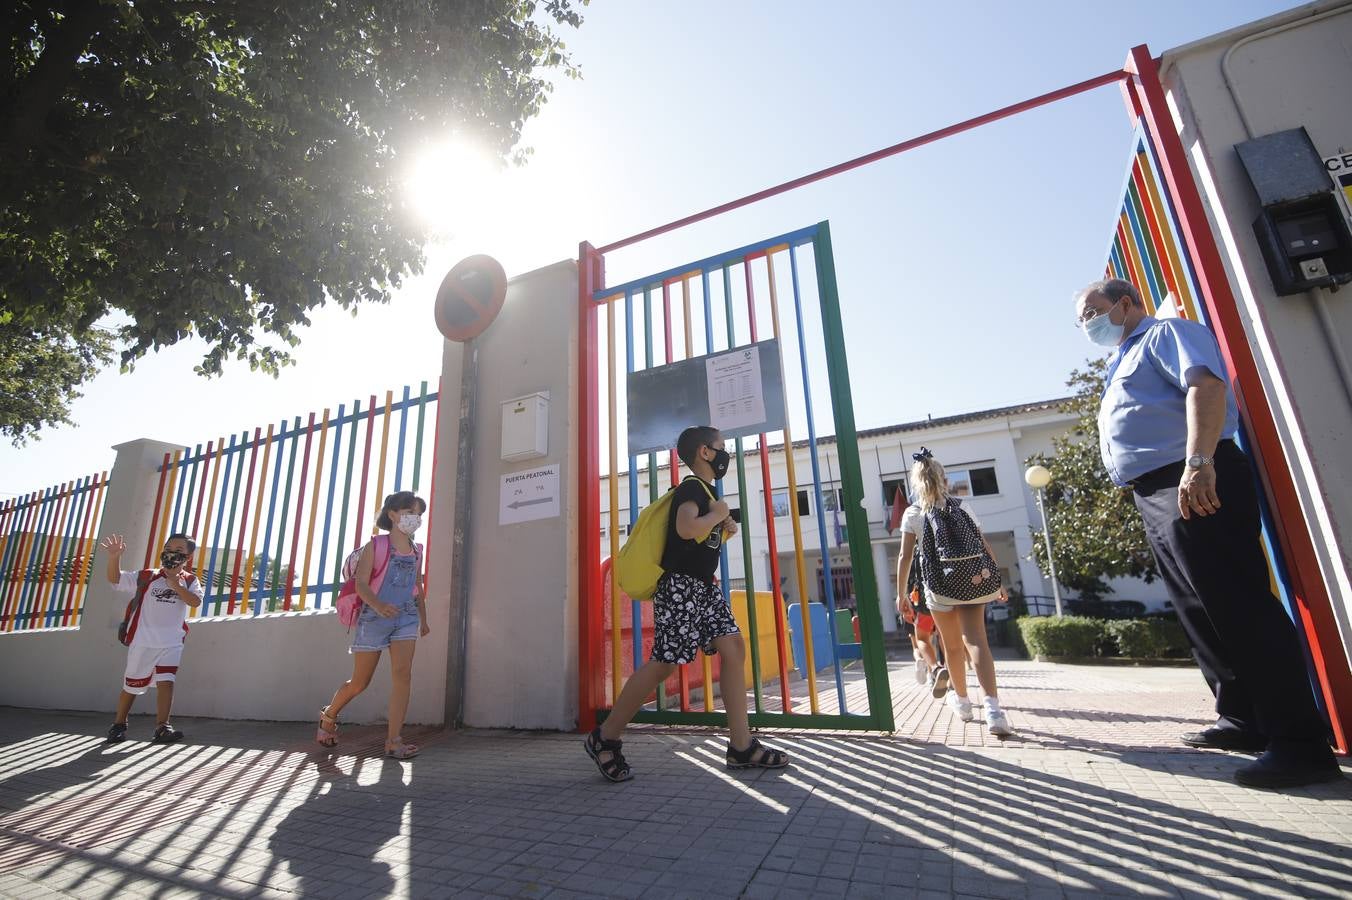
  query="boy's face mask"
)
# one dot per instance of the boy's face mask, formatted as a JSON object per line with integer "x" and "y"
{"x": 172, "y": 559}
{"x": 720, "y": 462}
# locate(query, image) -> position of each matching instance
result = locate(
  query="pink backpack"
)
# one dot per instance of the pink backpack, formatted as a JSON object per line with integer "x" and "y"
{"x": 349, "y": 602}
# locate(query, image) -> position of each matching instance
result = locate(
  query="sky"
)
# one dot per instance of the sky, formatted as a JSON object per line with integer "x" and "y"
{"x": 956, "y": 262}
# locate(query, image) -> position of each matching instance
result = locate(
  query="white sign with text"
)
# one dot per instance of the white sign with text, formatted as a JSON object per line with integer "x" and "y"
{"x": 530, "y": 495}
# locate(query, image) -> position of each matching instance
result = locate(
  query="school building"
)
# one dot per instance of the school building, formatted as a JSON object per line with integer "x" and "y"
{"x": 984, "y": 453}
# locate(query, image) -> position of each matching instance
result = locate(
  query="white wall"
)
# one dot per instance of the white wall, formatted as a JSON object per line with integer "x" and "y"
{"x": 1289, "y": 71}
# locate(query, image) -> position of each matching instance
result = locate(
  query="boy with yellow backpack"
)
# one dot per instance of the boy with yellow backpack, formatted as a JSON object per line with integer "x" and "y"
{"x": 671, "y": 556}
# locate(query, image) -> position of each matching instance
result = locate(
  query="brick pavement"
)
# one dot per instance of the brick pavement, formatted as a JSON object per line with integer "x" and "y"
{"x": 1091, "y": 799}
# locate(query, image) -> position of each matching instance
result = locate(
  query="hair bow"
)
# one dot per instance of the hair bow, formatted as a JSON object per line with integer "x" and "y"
{"x": 923, "y": 455}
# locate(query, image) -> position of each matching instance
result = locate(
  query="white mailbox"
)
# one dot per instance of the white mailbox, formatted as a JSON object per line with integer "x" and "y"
{"x": 525, "y": 427}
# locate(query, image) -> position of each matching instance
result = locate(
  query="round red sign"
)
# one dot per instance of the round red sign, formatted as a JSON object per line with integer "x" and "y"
{"x": 470, "y": 297}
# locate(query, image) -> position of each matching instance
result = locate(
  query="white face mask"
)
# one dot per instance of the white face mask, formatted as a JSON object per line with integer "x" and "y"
{"x": 410, "y": 522}
{"x": 1101, "y": 330}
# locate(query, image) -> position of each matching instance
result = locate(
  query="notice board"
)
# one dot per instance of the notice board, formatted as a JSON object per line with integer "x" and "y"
{"x": 739, "y": 391}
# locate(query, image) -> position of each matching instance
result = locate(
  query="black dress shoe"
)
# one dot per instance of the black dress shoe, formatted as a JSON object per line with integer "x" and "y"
{"x": 1278, "y": 769}
{"x": 1225, "y": 739}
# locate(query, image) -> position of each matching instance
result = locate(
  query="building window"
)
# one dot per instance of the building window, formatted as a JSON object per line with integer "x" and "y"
{"x": 833, "y": 499}
{"x": 735, "y": 513}
{"x": 890, "y": 488}
{"x": 780, "y": 501}
{"x": 973, "y": 481}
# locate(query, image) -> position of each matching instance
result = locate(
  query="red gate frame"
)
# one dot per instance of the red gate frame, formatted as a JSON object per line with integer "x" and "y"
{"x": 1143, "y": 91}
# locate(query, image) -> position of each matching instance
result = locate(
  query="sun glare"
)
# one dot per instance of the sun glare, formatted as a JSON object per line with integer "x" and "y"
{"x": 451, "y": 182}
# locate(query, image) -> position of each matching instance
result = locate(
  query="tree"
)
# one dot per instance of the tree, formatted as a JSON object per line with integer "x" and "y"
{"x": 39, "y": 371}
{"x": 222, "y": 167}
{"x": 1096, "y": 531}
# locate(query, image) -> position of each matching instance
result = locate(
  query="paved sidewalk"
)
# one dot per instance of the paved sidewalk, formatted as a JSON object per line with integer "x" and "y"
{"x": 253, "y": 809}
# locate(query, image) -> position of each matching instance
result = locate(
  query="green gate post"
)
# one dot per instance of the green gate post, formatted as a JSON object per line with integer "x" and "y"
{"x": 856, "y": 519}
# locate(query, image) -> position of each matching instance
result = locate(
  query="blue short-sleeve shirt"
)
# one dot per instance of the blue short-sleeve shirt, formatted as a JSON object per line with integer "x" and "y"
{"x": 1143, "y": 420}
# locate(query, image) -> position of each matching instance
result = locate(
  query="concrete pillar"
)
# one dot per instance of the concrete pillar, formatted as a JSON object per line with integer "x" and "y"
{"x": 887, "y": 592}
{"x": 521, "y": 656}
{"x": 1034, "y": 582}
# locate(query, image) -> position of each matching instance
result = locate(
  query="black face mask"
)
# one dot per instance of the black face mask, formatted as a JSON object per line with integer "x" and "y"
{"x": 720, "y": 462}
{"x": 172, "y": 559}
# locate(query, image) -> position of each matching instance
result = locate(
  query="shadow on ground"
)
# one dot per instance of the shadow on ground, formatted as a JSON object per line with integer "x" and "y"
{"x": 246, "y": 809}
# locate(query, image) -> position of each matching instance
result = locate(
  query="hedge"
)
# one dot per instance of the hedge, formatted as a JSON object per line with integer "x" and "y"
{"x": 1072, "y": 636}
{"x": 1065, "y": 636}
{"x": 1149, "y": 638}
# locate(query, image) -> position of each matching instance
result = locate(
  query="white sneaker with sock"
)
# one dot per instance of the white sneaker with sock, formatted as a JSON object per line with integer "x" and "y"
{"x": 997, "y": 723}
{"x": 960, "y": 705}
{"x": 921, "y": 670}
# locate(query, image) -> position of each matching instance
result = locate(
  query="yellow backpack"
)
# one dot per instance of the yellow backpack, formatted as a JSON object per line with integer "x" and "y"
{"x": 639, "y": 565}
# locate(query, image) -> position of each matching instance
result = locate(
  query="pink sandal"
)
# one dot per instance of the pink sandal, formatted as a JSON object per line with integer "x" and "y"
{"x": 326, "y": 736}
{"x": 397, "y": 749}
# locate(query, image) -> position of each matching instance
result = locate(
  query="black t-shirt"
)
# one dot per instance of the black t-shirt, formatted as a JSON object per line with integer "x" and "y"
{"x": 694, "y": 558}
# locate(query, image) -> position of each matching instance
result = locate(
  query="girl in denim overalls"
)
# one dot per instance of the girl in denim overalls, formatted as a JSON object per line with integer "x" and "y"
{"x": 392, "y": 617}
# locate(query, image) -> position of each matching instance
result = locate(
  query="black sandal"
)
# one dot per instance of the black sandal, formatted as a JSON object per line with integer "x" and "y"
{"x": 615, "y": 768}
{"x": 756, "y": 756}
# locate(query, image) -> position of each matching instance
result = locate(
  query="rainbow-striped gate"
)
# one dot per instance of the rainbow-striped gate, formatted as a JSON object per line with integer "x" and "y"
{"x": 782, "y": 288}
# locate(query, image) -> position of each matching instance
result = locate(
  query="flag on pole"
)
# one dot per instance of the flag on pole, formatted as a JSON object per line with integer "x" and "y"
{"x": 898, "y": 507}
{"x": 835, "y": 504}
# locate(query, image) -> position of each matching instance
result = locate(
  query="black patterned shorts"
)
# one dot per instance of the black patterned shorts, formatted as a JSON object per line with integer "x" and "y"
{"x": 688, "y": 615}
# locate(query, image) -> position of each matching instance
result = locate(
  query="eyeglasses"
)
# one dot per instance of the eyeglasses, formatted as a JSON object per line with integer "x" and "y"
{"x": 1090, "y": 315}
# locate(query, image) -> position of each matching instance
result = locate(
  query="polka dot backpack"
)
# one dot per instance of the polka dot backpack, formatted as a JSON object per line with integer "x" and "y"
{"x": 953, "y": 558}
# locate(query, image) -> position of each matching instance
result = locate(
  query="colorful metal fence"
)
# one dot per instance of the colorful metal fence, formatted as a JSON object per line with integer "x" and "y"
{"x": 276, "y": 512}
{"x": 727, "y": 301}
{"x": 47, "y": 541}
{"x": 1145, "y": 247}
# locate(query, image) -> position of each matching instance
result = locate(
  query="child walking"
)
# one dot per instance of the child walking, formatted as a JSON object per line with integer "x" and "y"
{"x": 959, "y": 578}
{"x": 393, "y": 617}
{"x": 690, "y": 614}
{"x": 154, "y": 628}
{"x": 929, "y": 669}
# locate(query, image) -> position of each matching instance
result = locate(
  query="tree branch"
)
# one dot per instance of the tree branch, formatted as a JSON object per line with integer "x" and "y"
{"x": 25, "y": 112}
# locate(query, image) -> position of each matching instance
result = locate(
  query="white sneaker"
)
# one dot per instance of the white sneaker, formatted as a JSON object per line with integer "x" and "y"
{"x": 921, "y": 671}
{"x": 997, "y": 723}
{"x": 960, "y": 705}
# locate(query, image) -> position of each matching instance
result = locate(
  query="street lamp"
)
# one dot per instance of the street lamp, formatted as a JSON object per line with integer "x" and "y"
{"x": 1038, "y": 477}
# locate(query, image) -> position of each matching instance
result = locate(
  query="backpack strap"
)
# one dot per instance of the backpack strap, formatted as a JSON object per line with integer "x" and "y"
{"x": 380, "y": 551}
{"x": 702, "y": 483}
{"x": 143, "y": 579}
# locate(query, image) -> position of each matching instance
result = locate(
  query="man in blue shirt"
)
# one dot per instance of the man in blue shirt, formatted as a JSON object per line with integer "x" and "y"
{"x": 1166, "y": 423}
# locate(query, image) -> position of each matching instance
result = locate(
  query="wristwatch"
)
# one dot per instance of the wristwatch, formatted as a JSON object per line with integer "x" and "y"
{"x": 1197, "y": 460}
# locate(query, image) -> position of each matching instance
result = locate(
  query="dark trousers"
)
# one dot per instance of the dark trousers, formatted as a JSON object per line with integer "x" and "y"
{"x": 1217, "y": 576}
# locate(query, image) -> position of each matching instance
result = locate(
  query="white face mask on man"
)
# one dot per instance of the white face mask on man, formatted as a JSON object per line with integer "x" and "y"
{"x": 409, "y": 523}
{"x": 1103, "y": 332}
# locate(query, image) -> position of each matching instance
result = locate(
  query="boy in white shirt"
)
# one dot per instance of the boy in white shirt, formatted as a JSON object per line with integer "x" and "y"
{"x": 154, "y": 629}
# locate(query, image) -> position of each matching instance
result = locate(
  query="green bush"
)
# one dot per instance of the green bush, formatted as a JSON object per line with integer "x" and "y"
{"x": 1066, "y": 636}
{"x": 1149, "y": 638}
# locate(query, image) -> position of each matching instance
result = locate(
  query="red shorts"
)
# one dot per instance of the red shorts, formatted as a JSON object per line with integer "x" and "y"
{"x": 924, "y": 624}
